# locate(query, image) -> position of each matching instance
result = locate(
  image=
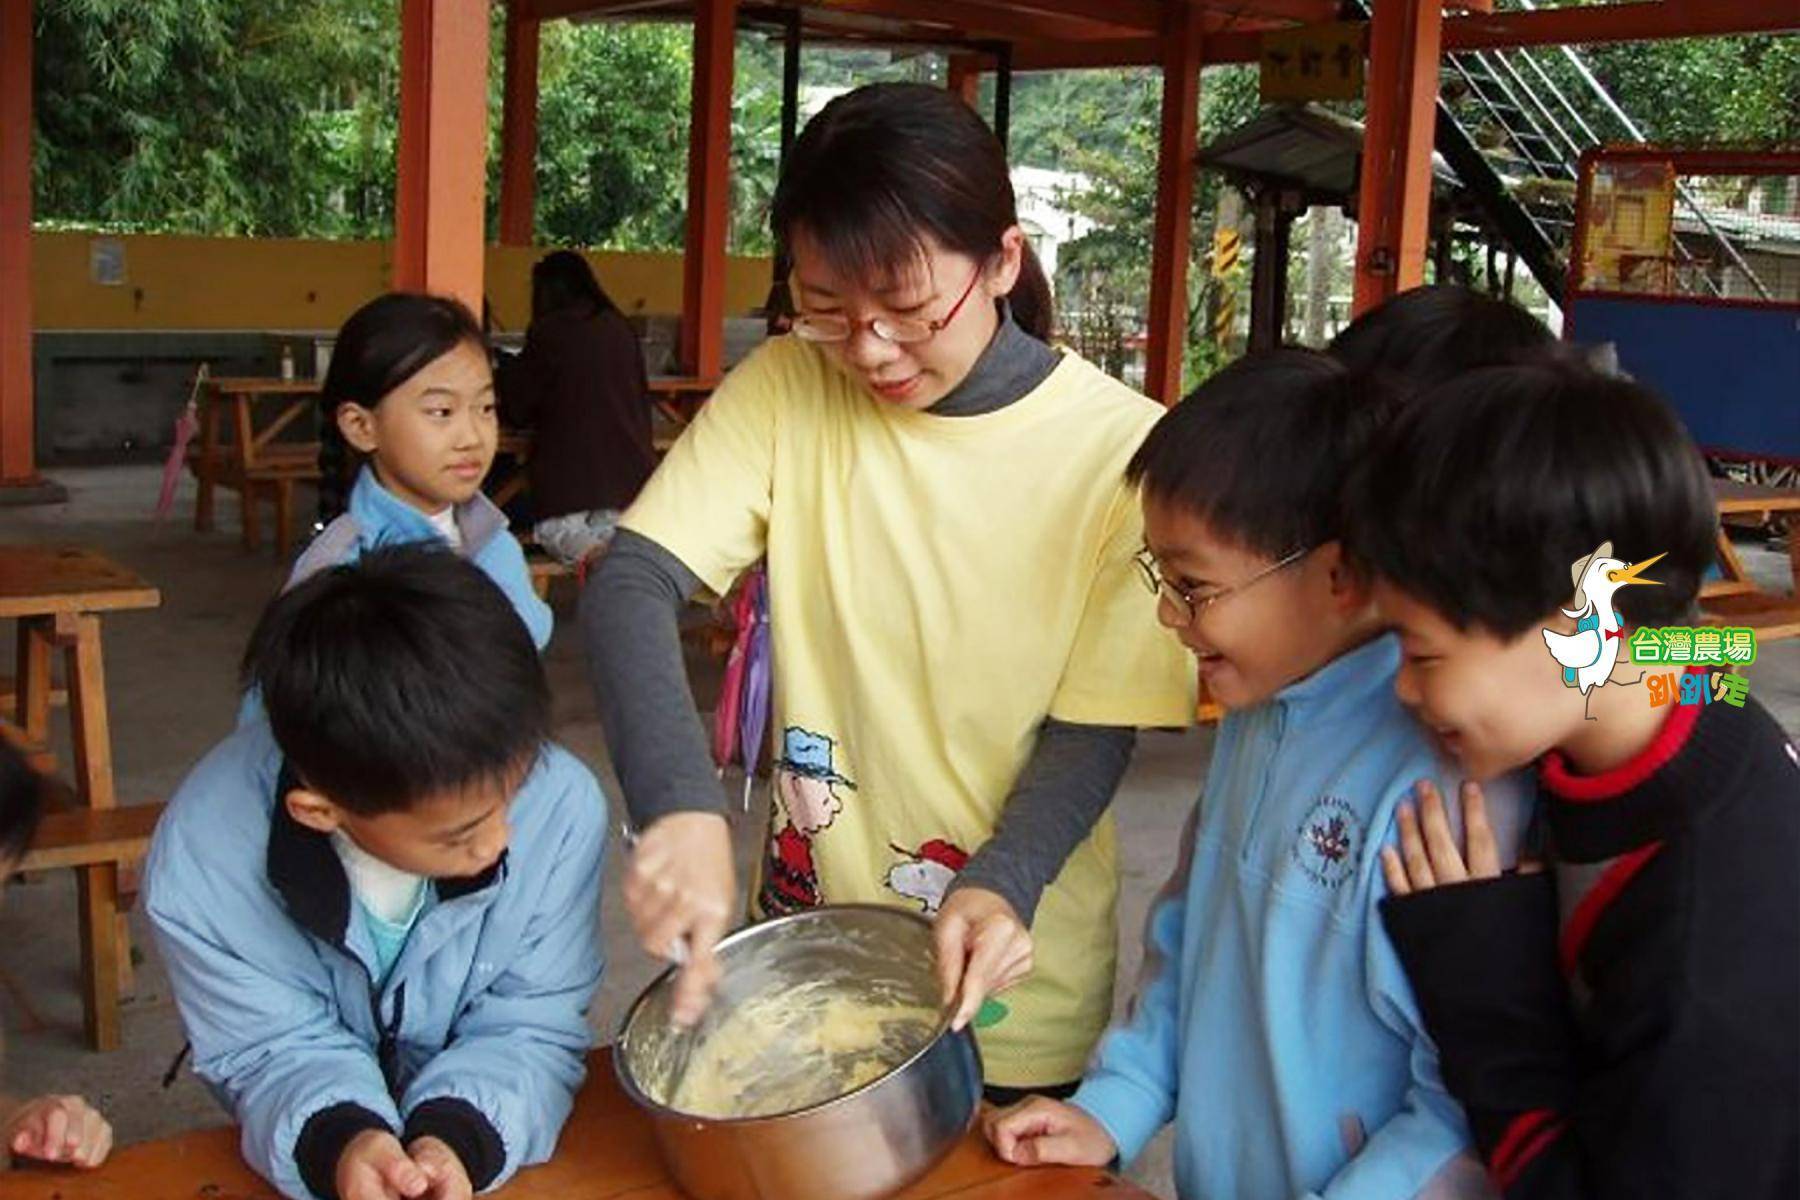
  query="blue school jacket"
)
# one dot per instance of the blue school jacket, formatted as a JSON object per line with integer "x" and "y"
{"x": 479, "y": 1035}
{"x": 1275, "y": 1026}
{"x": 377, "y": 517}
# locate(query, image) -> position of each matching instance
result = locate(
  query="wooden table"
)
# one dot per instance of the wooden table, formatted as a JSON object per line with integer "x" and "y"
{"x": 250, "y": 460}
{"x": 57, "y": 595}
{"x": 606, "y": 1152}
{"x": 679, "y": 397}
{"x": 1735, "y": 598}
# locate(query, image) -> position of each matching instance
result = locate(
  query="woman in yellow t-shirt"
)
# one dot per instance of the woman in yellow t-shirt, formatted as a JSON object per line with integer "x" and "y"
{"x": 962, "y": 646}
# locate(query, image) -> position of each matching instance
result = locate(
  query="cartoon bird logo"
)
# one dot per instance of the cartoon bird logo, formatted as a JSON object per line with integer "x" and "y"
{"x": 1589, "y": 655}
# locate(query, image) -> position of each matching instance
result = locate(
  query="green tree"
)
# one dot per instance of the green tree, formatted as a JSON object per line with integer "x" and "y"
{"x": 612, "y": 134}
{"x": 1106, "y": 127}
{"x": 252, "y": 117}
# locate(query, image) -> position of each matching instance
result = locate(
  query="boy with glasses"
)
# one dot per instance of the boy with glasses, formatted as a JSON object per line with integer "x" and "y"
{"x": 1274, "y": 1025}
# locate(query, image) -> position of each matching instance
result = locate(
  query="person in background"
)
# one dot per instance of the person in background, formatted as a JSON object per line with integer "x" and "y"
{"x": 55, "y": 1129}
{"x": 407, "y": 435}
{"x": 580, "y": 387}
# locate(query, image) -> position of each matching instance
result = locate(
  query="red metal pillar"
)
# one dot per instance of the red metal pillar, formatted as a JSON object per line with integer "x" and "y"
{"x": 518, "y": 130}
{"x": 1394, "y": 203}
{"x": 1174, "y": 202}
{"x": 18, "y": 465}
{"x": 439, "y": 218}
{"x": 965, "y": 78}
{"x": 709, "y": 189}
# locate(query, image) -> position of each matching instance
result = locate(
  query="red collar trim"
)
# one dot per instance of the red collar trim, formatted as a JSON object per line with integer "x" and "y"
{"x": 1555, "y": 773}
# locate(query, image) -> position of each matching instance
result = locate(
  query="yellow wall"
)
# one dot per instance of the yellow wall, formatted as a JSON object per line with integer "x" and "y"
{"x": 241, "y": 283}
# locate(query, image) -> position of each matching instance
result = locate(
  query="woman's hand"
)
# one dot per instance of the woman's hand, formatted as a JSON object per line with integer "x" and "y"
{"x": 59, "y": 1129}
{"x": 1040, "y": 1132}
{"x": 680, "y": 888}
{"x": 982, "y": 948}
{"x": 1428, "y": 856}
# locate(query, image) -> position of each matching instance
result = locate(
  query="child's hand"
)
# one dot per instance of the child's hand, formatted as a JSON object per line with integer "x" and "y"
{"x": 1428, "y": 856}
{"x": 449, "y": 1178}
{"x": 982, "y": 948}
{"x": 59, "y": 1129}
{"x": 374, "y": 1166}
{"x": 1041, "y": 1132}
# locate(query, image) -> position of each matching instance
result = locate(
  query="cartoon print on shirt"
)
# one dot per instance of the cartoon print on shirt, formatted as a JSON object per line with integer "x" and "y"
{"x": 806, "y": 790}
{"x": 925, "y": 874}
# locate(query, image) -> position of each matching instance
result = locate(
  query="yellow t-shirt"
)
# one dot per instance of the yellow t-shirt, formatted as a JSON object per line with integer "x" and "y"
{"x": 937, "y": 586}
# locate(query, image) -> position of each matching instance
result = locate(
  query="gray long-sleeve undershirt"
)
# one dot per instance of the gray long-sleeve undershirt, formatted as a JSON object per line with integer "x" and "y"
{"x": 629, "y": 616}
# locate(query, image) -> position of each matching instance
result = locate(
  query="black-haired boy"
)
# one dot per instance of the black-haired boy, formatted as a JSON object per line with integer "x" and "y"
{"x": 1628, "y": 1023}
{"x": 379, "y": 907}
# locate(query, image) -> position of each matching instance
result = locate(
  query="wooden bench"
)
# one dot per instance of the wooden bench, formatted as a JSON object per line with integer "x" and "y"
{"x": 1736, "y": 599}
{"x": 103, "y": 846}
{"x": 87, "y": 837}
{"x": 251, "y": 462}
{"x": 58, "y": 595}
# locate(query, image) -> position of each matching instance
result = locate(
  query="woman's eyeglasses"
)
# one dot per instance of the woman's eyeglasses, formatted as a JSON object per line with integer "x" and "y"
{"x": 903, "y": 331}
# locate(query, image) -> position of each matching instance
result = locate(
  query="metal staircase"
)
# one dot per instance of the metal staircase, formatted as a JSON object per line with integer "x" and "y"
{"x": 1513, "y": 125}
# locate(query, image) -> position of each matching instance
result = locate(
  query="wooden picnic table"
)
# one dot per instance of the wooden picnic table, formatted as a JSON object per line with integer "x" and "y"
{"x": 1736, "y": 599}
{"x": 606, "y": 1152}
{"x": 57, "y": 594}
{"x": 679, "y": 397}
{"x": 250, "y": 460}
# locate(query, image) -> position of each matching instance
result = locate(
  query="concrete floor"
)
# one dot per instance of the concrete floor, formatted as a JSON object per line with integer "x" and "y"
{"x": 170, "y": 684}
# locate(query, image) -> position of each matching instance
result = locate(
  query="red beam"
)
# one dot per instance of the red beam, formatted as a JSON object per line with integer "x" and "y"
{"x": 1256, "y": 12}
{"x": 518, "y": 131}
{"x": 1638, "y": 22}
{"x": 439, "y": 222}
{"x": 709, "y": 190}
{"x": 1627, "y": 22}
{"x": 1181, "y": 43}
{"x": 554, "y": 10}
{"x": 969, "y": 18}
{"x": 965, "y": 78}
{"x": 1394, "y": 204}
{"x": 17, "y": 423}
{"x": 1144, "y": 16}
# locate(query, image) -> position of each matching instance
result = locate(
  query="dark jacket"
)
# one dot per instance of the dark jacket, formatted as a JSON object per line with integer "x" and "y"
{"x": 580, "y": 387}
{"x": 1628, "y": 1024}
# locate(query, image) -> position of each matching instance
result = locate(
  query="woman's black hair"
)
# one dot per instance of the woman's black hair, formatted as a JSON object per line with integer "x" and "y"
{"x": 563, "y": 280}
{"x": 885, "y": 167}
{"x": 22, "y": 797}
{"x": 1428, "y": 335}
{"x": 1483, "y": 491}
{"x": 384, "y": 343}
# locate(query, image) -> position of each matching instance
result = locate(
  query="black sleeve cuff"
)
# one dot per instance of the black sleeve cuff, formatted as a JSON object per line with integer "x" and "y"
{"x": 462, "y": 1127}
{"x": 1482, "y": 958}
{"x": 322, "y": 1140}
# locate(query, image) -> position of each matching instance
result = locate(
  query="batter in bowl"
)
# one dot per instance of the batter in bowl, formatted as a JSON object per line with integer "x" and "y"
{"x": 789, "y": 1048}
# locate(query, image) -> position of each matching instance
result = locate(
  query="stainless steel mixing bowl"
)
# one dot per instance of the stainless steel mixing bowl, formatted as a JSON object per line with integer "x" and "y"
{"x": 864, "y": 1145}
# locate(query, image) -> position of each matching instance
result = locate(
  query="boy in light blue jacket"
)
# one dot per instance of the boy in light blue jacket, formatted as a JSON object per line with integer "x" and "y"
{"x": 379, "y": 904}
{"x": 1274, "y": 1025}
